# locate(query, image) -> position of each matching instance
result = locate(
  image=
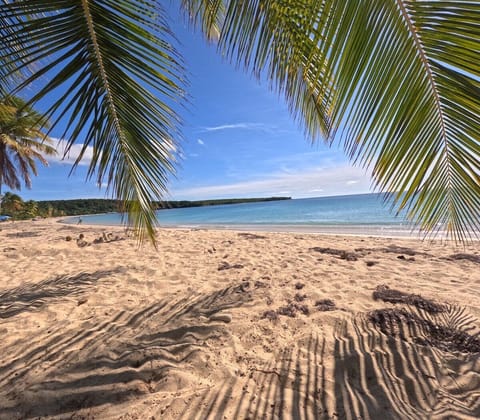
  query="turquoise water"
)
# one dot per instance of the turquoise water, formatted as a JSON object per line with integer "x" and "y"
{"x": 366, "y": 210}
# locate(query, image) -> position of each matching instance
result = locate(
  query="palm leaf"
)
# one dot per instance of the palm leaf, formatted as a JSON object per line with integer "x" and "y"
{"x": 396, "y": 82}
{"x": 7, "y": 48}
{"x": 120, "y": 77}
{"x": 21, "y": 141}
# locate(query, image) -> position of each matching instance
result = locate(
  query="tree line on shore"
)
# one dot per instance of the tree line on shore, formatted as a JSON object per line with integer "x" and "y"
{"x": 14, "y": 206}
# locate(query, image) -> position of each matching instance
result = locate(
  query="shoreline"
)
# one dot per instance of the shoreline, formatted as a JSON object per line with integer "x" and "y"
{"x": 376, "y": 231}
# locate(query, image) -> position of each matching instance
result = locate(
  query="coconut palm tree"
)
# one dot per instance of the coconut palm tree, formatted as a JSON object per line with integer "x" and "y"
{"x": 21, "y": 143}
{"x": 12, "y": 203}
{"x": 396, "y": 82}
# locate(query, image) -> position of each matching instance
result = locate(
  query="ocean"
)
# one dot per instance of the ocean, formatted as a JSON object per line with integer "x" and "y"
{"x": 356, "y": 214}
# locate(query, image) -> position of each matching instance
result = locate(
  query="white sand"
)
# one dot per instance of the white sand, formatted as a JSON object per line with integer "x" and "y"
{"x": 111, "y": 330}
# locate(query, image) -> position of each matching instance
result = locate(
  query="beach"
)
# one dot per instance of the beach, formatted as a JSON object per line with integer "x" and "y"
{"x": 227, "y": 324}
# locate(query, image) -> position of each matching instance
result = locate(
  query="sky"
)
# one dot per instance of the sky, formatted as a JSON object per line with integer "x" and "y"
{"x": 239, "y": 141}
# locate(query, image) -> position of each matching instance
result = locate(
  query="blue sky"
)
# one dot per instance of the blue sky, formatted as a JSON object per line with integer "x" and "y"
{"x": 239, "y": 141}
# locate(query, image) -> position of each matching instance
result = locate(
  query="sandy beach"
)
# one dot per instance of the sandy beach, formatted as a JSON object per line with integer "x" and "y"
{"x": 221, "y": 324}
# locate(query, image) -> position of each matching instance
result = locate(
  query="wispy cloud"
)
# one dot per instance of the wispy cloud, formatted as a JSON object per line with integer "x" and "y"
{"x": 307, "y": 183}
{"x": 200, "y": 142}
{"x": 239, "y": 126}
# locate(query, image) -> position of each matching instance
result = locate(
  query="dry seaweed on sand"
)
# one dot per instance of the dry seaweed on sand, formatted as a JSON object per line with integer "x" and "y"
{"x": 342, "y": 254}
{"x": 270, "y": 315}
{"x": 467, "y": 257}
{"x": 395, "y": 249}
{"x": 247, "y": 235}
{"x": 383, "y": 292}
{"x": 227, "y": 266}
{"x": 325, "y": 305}
{"x": 23, "y": 234}
{"x": 299, "y": 297}
{"x": 294, "y": 307}
{"x": 394, "y": 322}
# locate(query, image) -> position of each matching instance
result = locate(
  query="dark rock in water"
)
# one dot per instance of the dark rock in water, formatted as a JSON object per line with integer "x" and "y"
{"x": 299, "y": 286}
{"x": 370, "y": 263}
{"x": 325, "y": 305}
{"x": 81, "y": 236}
{"x": 68, "y": 238}
{"x": 407, "y": 325}
{"x": 383, "y": 292}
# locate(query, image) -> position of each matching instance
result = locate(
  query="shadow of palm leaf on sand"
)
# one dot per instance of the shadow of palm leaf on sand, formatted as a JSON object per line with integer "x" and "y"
{"x": 31, "y": 296}
{"x": 114, "y": 360}
{"x": 292, "y": 385}
{"x": 373, "y": 375}
{"x": 380, "y": 375}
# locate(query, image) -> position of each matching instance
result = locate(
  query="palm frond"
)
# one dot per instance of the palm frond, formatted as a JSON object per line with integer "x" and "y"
{"x": 8, "y": 174}
{"x": 207, "y": 14}
{"x": 396, "y": 82}
{"x": 7, "y": 49}
{"x": 121, "y": 78}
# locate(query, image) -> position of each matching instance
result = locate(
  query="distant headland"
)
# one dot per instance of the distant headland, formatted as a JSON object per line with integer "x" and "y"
{"x": 96, "y": 205}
